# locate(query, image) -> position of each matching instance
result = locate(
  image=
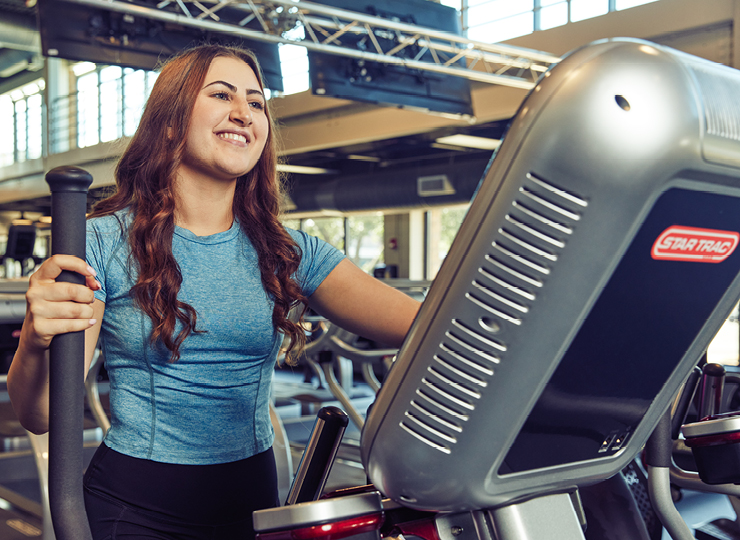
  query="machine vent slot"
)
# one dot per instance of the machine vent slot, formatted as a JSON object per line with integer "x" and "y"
{"x": 506, "y": 285}
{"x": 533, "y": 249}
{"x": 461, "y": 372}
{"x": 431, "y": 399}
{"x": 521, "y": 259}
{"x": 436, "y": 417}
{"x": 490, "y": 309}
{"x": 462, "y": 388}
{"x": 721, "y": 108}
{"x": 436, "y": 429}
{"x": 448, "y": 396}
{"x": 528, "y": 280}
{"x": 534, "y": 232}
{"x": 420, "y": 422}
{"x": 524, "y": 250}
{"x": 500, "y": 298}
{"x": 437, "y": 446}
{"x": 465, "y": 361}
{"x": 565, "y": 196}
{"x": 478, "y": 336}
{"x": 555, "y": 225}
{"x": 547, "y": 204}
{"x": 476, "y": 350}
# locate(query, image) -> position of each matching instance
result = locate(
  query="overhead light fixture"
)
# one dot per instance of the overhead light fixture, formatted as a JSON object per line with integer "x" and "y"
{"x": 360, "y": 157}
{"x": 82, "y": 68}
{"x": 45, "y": 219}
{"x": 21, "y": 221}
{"x": 470, "y": 141}
{"x": 300, "y": 169}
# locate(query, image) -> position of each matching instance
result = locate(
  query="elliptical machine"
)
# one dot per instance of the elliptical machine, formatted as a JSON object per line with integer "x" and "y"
{"x": 597, "y": 261}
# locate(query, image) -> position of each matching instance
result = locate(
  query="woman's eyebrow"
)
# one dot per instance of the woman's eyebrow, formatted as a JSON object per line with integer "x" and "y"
{"x": 227, "y": 85}
{"x": 232, "y": 88}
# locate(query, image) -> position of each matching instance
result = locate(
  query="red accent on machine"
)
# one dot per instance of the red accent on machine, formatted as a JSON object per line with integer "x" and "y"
{"x": 678, "y": 243}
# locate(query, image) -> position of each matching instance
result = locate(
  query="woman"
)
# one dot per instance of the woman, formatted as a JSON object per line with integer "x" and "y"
{"x": 189, "y": 280}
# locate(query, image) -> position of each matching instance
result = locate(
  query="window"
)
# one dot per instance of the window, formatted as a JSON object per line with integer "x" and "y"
{"x": 34, "y": 123}
{"x": 87, "y": 110}
{"x": 329, "y": 229}
{"x": 587, "y": 9}
{"x": 21, "y": 115}
{"x": 364, "y": 241}
{"x": 137, "y": 84}
{"x": 442, "y": 227}
{"x": 360, "y": 237}
{"x": 110, "y": 101}
{"x": 626, "y": 4}
{"x": 553, "y": 13}
{"x": 7, "y": 139}
{"x": 491, "y": 21}
{"x": 498, "y": 20}
{"x": 294, "y": 63}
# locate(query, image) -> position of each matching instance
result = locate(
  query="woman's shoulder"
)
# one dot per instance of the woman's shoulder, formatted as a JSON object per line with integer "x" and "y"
{"x": 313, "y": 247}
{"x": 106, "y": 233}
{"x": 116, "y": 222}
{"x": 306, "y": 242}
{"x": 298, "y": 236}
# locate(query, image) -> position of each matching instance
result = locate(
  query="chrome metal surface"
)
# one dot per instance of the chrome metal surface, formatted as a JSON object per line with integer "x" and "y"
{"x": 317, "y": 512}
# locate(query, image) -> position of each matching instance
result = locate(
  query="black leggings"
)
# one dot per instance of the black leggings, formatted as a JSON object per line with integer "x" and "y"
{"x": 131, "y": 498}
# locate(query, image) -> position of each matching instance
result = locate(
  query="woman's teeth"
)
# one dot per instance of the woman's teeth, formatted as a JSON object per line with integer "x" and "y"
{"x": 233, "y": 136}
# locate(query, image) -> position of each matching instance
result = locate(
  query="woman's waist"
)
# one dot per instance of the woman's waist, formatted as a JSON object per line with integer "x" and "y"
{"x": 198, "y": 494}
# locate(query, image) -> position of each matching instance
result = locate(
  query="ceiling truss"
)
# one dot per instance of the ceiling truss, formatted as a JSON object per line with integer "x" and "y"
{"x": 386, "y": 41}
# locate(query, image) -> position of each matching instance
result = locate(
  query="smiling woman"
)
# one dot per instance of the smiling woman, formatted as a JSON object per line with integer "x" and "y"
{"x": 228, "y": 129}
{"x": 189, "y": 280}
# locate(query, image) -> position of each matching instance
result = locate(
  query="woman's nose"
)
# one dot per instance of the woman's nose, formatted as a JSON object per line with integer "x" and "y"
{"x": 241, "y": 113}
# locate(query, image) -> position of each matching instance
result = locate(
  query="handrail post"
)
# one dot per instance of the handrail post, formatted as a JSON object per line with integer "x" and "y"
{"x": 68, "y": 187}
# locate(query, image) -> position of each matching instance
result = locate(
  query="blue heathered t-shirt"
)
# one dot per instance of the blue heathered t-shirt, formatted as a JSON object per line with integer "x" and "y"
{"x": 211, "y": 406}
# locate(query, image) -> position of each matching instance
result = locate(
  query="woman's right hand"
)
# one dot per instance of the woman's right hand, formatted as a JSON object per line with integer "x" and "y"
{"x": 55, "y": 307}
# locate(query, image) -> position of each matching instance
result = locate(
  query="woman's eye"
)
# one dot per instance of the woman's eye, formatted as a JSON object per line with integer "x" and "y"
{"x": 222, "y": 95}
{"x": 257, "y": 105}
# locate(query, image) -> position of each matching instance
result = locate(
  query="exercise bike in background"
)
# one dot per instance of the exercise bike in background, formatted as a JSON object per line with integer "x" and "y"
{"x": 594, "y": 266}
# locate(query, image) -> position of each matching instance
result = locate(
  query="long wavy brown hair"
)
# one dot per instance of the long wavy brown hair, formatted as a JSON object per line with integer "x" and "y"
{"x": 145, "y": 184}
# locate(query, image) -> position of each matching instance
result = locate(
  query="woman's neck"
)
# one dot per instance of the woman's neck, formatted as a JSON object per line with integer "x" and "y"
{"x": 205, "y": 210}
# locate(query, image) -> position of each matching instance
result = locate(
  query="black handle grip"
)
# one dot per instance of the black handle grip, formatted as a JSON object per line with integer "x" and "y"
{"x": 712, "y": 384}
{"x": 659, "y": 447}
{"x": 69, "y": 187}
{"x": 318, "y": 457}
{"x": 684, "y": 402}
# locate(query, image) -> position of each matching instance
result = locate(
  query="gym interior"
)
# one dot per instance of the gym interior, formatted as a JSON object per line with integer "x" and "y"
{"x": 382, "y": 158}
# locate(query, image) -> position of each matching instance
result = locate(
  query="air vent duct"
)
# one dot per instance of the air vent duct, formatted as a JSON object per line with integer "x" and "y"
{"x": 450, "y": 183}
{"x": 433, "y": 186}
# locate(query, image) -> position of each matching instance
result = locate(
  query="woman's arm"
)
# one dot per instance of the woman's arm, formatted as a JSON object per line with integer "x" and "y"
{"x": 363, "y": 305}
{"x": 51, "y": 308}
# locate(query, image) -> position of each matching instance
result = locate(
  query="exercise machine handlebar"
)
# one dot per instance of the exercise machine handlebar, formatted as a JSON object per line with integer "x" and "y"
{"x": 69, "y": 186}
{"x": 318, "y": 457}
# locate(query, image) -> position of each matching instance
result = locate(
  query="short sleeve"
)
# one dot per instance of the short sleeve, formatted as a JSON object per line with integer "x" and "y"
{"x": 318, "y": 259}
{"x": 103, "y": 237}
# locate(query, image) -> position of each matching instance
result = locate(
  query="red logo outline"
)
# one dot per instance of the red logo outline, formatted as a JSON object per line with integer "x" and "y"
{"x": 691, "y": 244}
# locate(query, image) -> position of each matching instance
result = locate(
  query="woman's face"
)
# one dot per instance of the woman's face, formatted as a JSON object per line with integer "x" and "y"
{"x": 229, "y": 126}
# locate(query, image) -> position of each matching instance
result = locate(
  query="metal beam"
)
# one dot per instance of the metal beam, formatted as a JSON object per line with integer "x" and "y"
{"x": 325, "y": 26}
